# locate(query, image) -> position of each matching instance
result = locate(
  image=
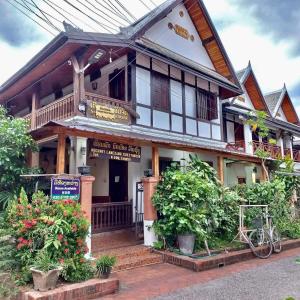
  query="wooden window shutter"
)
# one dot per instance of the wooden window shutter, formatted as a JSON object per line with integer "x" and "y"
{"x": 213, "y": 106}
{"x": 160, "y": 91}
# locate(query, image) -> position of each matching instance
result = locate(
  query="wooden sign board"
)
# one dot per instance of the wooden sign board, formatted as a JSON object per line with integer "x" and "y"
{"x": 110, "y": 150}
{"x": 108, "y": 112}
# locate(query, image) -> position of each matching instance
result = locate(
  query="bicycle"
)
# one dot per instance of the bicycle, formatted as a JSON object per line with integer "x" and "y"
{"x": 264, "y": 240}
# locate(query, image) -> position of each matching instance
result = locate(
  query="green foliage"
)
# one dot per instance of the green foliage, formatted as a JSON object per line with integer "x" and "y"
{"x": 257, "y": 121}
{"x": 158, "y": 245}
{"x": 289, "y": 228}
{"x": 77, "y": 269}
{"x": 15, "y": 142}
{"x": 44, "y": 262}
{"x": 58, "y": 229}
{"x": 105, "y": 263}
{"x": 186, "y": 199}
{"x": 267, "y": 193}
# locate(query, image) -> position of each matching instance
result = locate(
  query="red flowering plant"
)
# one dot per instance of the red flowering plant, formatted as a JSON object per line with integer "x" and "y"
{"x": 58, "y": 227}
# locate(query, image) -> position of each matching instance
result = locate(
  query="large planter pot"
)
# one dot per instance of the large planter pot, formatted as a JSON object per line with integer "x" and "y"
{"x": 44, "y": 281}
{"x": 104, "y": 274}
{"x": 186, "y": 243}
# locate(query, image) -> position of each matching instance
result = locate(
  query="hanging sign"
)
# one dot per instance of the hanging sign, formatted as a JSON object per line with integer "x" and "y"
{"x": 109, "y": 150}
{"x": 65, "y": 188}
{"x": 108, "y": 112}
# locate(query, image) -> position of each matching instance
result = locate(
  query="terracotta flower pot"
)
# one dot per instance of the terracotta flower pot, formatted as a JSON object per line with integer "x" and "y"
{"x": 44, "y": 281}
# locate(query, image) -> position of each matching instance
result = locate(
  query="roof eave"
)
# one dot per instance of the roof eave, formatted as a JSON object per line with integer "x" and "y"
{"x": 52, "y": 46}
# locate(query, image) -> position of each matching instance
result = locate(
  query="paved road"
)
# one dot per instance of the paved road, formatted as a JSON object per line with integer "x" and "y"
{"x": 274, "y": 281}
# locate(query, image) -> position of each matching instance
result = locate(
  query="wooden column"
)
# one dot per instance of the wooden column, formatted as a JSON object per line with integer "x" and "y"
{"x": 221, "y": 168}
{"x": 35, "y": 103}
{"x": 61, "y": 152}
{"x": 78, "y": 81}
{"x": 155, "y": 161}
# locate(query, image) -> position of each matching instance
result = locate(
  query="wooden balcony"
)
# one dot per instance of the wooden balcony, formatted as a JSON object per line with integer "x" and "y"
{"x": 273, "y": 150}
{"x": 63, "y": 108}
{"x": 236, "y": 146}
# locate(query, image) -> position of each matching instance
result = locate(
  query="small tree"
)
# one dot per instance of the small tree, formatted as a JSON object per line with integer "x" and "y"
{"x": 15, "y": 142}
{"x": 257, "y": 121}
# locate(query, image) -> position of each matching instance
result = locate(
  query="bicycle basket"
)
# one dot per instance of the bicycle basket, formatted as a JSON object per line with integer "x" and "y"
{"x": 257, "y": 222}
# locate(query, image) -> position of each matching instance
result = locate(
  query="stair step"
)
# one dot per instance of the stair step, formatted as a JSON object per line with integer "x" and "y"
{"x": 135, "y": 262}
{"x": 124, "y": 252}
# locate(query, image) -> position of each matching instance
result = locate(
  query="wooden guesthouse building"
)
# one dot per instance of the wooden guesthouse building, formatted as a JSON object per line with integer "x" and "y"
{"x": 129, "y": 104}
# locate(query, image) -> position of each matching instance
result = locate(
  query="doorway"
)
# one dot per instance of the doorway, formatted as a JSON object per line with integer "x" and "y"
{"x": 118, "y": 180}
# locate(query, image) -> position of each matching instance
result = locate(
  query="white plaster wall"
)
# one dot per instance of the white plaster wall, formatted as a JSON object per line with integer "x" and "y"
{"x": 100, "y": 170}
{"x": 247, "y": 103}
{"x": 161, "y": 34}
{"x": 236, "y": 170}
{"x": 282, "y": 115}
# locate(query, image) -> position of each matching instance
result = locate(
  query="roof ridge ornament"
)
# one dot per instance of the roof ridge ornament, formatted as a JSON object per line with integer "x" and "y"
{"x": 70, "y": 28}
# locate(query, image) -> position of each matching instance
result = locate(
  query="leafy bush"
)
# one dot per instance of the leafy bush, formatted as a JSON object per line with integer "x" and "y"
{"x": 105, "y": 263}
{"x": 188, "y": 201}
{"x": 271, "y": 193}
{"x": 58, "y": 228}
{"x": 289, "y": 228}
{"x": 15, "y": 142}
{"x": 77, "y": 269}
{"x": 44, "y": 262}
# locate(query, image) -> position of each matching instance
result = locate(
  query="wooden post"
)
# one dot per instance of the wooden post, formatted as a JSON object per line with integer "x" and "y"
{"x": 34, "y": 107}
{"x": 155, "y": 161}
{"x": 221, "y": 168}
{"x": 78, "y": 82}
{"x": 61, "y": 152}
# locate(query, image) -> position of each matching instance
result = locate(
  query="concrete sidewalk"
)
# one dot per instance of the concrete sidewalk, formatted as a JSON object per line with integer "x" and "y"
{"x": 275, "y": 278}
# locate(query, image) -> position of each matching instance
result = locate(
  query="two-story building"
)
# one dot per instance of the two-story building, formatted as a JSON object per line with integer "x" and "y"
{"x": 129, "y": 104}
{"x": 281, "y": 118}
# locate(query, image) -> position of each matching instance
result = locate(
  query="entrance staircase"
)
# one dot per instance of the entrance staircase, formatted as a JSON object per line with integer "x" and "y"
{"x": 129, "y": 251}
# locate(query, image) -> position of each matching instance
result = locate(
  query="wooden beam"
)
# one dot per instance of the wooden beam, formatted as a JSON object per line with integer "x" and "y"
{"x": 221, "y": 168}
{"x": 35, "y": 103}
{"x": 155, "y": 161}
{"x": 61, "y": 152}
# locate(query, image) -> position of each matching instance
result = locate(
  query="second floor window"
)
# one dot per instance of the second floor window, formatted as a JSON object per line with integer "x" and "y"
{"x": 207, "y": 105}
{"x": 117, "y": 84}
{"x": 160, "y": 91}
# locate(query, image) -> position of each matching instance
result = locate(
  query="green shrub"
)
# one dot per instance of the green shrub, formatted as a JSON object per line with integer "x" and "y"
{"x": 188, "y": 200}
{"x": 289, "y": 228}
{"x": 57, "y": 228}
{"x": 44, "y": 262}
{"x": 77, "y": 269}
{"x": 105, "y": 263}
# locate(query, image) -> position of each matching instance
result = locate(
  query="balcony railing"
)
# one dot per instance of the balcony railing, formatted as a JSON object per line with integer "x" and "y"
{"x": 236, "y": 146}
{"x": 273, "y": 150}
{"x": 58, "y": 110}
{"x": 63, "y": 108}
{"x": 296, "y": 155}
{"x": 111, "y": 216}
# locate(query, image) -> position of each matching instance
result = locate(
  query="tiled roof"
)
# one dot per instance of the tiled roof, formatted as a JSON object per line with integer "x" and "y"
{"x": 272, "y": 99}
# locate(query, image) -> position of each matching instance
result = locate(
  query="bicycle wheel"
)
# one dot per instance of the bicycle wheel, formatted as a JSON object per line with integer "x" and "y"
{"x": 276, "y": 241}
{"x": 260, "y": 243}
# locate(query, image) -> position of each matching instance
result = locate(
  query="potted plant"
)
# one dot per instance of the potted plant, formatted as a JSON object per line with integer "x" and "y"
{"x": 45, "y": 272}
{"x": 104, "y": 265}
{"x": 185, "y": 200}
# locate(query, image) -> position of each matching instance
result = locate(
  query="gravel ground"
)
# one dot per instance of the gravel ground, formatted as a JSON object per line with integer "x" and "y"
{"x": 275, "y": 281}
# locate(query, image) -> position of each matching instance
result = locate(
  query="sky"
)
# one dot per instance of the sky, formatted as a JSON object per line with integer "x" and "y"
{"x": 266, "y": 32}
